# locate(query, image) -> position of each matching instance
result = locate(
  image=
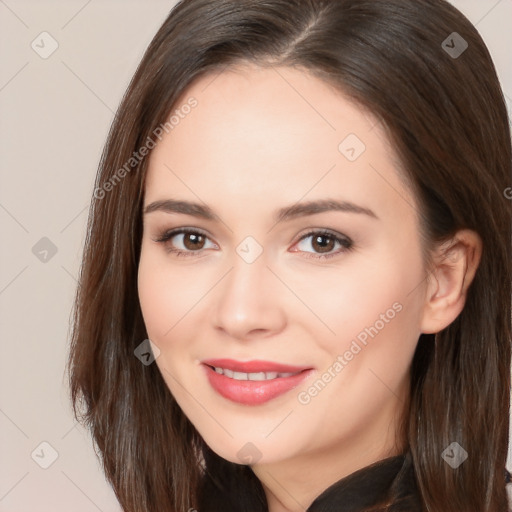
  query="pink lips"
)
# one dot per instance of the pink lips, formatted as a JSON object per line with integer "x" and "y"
{"x": 253, "y": 392}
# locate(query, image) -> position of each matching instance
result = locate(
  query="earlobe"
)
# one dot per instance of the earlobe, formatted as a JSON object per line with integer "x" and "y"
{"x": 454, "y": 266}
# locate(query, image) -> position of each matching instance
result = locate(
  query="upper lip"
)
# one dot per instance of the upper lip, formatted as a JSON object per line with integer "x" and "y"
{"x": 254, "y": 366}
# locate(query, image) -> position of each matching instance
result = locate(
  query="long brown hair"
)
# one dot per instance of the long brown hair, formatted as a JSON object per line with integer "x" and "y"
{"x": 445, "y": 114}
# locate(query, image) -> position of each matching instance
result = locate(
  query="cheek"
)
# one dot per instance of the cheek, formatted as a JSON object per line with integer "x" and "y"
{"x": 360, "y": 301}
{"x": 166, "y": 292}
{"x": 366, "y": 365}
{"x": 376, "y": 335}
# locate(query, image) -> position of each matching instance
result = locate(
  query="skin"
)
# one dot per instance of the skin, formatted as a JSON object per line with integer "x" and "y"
{"x": 258, "y": 140}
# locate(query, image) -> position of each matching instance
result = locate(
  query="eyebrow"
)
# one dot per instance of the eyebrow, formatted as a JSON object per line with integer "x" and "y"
{"x": 283, "y": 214}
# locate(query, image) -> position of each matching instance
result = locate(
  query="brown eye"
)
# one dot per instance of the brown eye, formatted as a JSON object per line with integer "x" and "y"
{"x": 323, "y": 244}
{"x": 193, "y": 241}
{"x": 184, "y": 242}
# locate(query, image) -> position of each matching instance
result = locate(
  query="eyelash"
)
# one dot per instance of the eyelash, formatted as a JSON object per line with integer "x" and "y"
{"x": 345, "y": 242}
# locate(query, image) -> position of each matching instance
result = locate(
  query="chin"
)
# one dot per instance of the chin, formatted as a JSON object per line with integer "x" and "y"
{"x": 249, "y": 450}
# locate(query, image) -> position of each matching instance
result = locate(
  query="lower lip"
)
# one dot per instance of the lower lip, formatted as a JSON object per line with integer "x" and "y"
{"x": 253, "y": 392}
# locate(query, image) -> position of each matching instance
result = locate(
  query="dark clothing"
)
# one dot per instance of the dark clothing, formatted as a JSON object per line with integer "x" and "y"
{"x": 388, "y": 481}
{"x": 388, "y": 485}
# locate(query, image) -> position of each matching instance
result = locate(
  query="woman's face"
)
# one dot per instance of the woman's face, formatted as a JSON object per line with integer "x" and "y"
{"x": 300, "y": 254}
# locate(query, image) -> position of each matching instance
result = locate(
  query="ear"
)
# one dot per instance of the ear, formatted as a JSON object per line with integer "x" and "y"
{"x": 455, "y": 264}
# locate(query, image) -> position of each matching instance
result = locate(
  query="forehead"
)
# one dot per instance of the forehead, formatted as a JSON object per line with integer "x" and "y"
{"x": 273, "y": 132}
{"x": 269, "y": 108}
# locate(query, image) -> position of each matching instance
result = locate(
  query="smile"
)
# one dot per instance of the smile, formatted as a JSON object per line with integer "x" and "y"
{"x": 253, "y": 382}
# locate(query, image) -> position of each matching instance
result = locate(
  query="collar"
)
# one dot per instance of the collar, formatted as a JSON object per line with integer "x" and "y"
{"x": 389, "y": 481}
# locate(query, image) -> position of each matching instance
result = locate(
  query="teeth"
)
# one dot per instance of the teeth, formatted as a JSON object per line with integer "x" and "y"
{"x": 257, "y": 376}
{"x": 252, "y": 376}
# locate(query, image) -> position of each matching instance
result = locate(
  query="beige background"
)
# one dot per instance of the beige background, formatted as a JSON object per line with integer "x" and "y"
{"x": 55, "y": 114}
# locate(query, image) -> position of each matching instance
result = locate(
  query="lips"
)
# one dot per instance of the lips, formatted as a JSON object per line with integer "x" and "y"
{"x": 253, "y": 382}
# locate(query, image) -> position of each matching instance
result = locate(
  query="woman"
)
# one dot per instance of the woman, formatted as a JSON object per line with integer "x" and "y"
{"x": 303, "y": 205}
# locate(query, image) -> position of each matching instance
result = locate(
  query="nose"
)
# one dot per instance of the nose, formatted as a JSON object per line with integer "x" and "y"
{"x": 249, "y": 301}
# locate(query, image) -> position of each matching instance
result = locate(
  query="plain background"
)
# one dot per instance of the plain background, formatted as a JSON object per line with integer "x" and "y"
{"x": 55, "y": 114}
